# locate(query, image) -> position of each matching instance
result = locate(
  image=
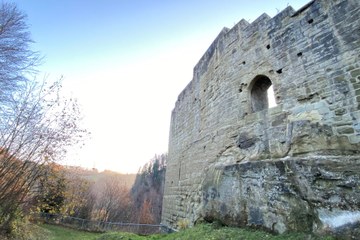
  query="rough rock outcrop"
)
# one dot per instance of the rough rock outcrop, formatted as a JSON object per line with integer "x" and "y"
{"x": 290, "y": 194}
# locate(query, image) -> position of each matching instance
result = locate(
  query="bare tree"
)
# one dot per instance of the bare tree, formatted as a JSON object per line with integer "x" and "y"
{"x": 79, "y": 199}
{"x": 36, "y": 123}
{"x": 113, "y": 201}
{"x": 36, "y": 128}
{"x": 16, "y": 57}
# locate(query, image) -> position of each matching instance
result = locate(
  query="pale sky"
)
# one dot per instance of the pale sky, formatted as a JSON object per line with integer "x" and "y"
{"x": 126, "y": 61}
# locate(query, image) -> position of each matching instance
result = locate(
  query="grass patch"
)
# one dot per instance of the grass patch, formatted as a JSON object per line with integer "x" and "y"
{"x": 61, "y": 233}
{"x": 124, "y": 236}
{"x": 213, "y": 232}
{"x": 199, "y": 232}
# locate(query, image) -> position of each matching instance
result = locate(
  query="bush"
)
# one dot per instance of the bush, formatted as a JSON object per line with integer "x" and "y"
{"x": 183, "y": 224}
{"x": 20, "y": 228}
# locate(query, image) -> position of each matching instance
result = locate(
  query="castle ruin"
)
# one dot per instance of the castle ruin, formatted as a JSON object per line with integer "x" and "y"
{"x": 267, "y": 133}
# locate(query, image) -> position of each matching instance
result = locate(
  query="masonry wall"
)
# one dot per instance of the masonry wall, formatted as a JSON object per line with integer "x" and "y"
{"x": 311, "y": 57}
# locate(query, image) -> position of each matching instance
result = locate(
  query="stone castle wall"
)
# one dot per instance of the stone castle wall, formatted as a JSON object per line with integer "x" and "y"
{"x": 233, "y": 159}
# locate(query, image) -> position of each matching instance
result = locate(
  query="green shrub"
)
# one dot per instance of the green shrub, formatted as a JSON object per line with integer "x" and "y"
{"x": 20, "y": 228}
{"x": 183, "y": 224}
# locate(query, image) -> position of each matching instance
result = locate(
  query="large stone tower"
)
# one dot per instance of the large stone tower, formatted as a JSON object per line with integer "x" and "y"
{"x": 237, "y": 158}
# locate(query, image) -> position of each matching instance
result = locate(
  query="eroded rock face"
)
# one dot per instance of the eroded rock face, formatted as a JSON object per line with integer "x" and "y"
{"x": 292, "y": 167}
{"x": 292, "y": 194}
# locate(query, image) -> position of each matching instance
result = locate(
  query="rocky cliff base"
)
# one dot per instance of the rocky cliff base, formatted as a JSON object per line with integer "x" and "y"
{"x": 312, "y": 194}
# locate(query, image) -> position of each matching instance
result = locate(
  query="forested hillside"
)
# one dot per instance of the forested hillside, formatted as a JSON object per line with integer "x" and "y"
{"x": 98, "y": 196}
{"x": 148, "y": 190}
{"x": 105, "y": 196}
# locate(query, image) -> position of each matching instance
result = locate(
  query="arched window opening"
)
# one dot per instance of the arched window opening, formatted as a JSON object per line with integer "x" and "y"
{"x": 271, "y": 97}
{"x": 262, "y": 94}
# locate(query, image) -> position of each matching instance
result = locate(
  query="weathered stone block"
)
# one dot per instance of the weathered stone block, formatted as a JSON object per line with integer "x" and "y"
{"x": 355, "y": 73}
{"x": 345, "y": 130}
{"x": 340, "y": 111}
